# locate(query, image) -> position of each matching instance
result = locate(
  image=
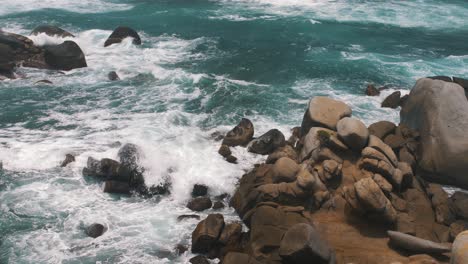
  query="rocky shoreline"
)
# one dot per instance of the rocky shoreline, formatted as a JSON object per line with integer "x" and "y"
{"x": 340, "y": 192}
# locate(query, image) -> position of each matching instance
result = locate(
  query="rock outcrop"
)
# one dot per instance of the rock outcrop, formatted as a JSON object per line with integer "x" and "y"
{"x": 65, "y": 56}
{"x": 120, "y": 34}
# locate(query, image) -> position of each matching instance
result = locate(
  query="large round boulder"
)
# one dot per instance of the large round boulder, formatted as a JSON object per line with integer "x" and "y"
{"x": 459, "y": 249}
{"x": 241, "y": 134}
{"x": 51, "y": 31}
{"x": 438, "y": 110}
{"x": 353, "y": 132}
{"x": 285, "y": 170}
{"x": 65, "y": 56}
{"x": 199, "y": 204}
{"x": 268, "y": 142}
{"x": 392, "y": 101}
{"x": 95, "y": 230}
{"x": 207, "y": 233}
{"x": 120, "y": 34}
{"x": 382, "y": 129}
{"x": 324, "y": 112}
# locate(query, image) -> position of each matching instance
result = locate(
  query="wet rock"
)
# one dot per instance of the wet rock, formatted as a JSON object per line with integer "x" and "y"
{"x": 268, "y": 142}
{"x": 324, "y": 112}
{"x": 416, "y": 244}
{"x": 457, "y": 227}
{"x": 353, "y": 133}
{"x": 238, "y": 258}
{"x": 130, "y": 169}
{"x": 51, "y": 31}
{"x": 69, "y": 158}
{"x": 383, "y": 183}
{"x": 403, "y": 100}
{"x": 286, "y": 151}
{"x": 285, "y": 170}
{"x": 231, "y": 235}
{"x": 459, "y": 252}
{"x": 392, "y": 101}
{"x": 180, "y": 249}
{"x": 462, "y": 82}
{"x": 199, "y": 260}
{"x": 120, "y": 34}
{"x": 231, "y": 159}
{"x": 207, "y": 233}
{"x": 314, "y": 139}
{"x": 116, "y": 187}
{"x": 66, "y": 56}
{"x": 460, "y": 204}
{"x": 371, "y": 90}
{"x": 43, "y": 82}
{"x": 218, "y": 205}
{"x": 430, "y": 109}
{"x": 190, "y": 216}
{"x": 382, "y": 129}
{"x": 7, "y": 58}
{"x": 105, "y": 168}
{"x": 241, "y": 134}
{"x": 113, "y": 76}
{"x": 302, "y": 244}
{"x": 199, "y": 190}
{"x": 95, "y": 230}
{"x": 199, "y": 204}
{"x": 224, "y": 151}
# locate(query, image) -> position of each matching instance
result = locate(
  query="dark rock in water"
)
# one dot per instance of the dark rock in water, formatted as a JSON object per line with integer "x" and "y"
{"x": 302, "y": 244}
{"x": 403, "y": 100}
{"x": 371, "y": 90}
{"x": 442, "y": 78}
{"x": 95, "y": 230}
{"x": 217, "y": 136}
{"x": 224, "y": 151}
{"x": 51, "y": 31}
{"x": 69, "y": 158}
{"x": 105, "y": 168}
{"x": 231, "y": 159}
{"x": 121, "y": 33}
{"x": 382, "y": 129}
{"x": 161, "y": 189}
{"x": 7, "y": 58}
{"x": 65, "y": 56}
{"x": 460, "y": 204}
{"x": 431, "y": 110}
{"x": 7, "y": 75}
{"x": 241, "y": 134}
{"x": 180, "y": 249}
{"x": 113, "y": 76}
{"x": 199, "y": 260}
{"x": 199, "y": 204}
{"x": 199, "y": 190}
{"x": 130, "y": 170}
{"x": 392, "y": 101}
{"x": 191, "y": 216}
{"x": 268, "y": 142}
{"x": 116, "y": 187}
{"x": 462, "y": 82}
{"x": 207, "y": 233}
{"x": 218, "y": 205}
{"x": 43, "y": 82}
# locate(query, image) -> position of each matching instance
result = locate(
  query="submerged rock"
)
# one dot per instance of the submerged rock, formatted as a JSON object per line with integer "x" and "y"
{"x": 191, "y": 216}
{"x": 51, "y": 31}
{"x": 112, "y": 76}
{"x": 120, "y": 34}
{"x": 199, "y": 204}
{"x": 199, "y": 190}
{"x": 95, "y": 230}
{"x": 69, "y": 158}
{"x": 371, "y": 90}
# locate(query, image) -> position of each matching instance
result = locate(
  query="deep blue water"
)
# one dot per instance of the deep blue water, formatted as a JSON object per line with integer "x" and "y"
{"x": 202, "y": 66}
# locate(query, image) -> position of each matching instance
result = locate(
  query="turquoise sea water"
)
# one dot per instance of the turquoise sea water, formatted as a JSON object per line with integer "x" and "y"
{"x": 202, "y": 66}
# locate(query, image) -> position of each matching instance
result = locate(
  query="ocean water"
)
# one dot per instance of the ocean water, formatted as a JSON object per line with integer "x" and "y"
{"x": 203, "y": 65}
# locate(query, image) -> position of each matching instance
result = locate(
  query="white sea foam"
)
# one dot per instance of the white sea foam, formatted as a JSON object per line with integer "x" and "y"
{"x": 82, "y": 6}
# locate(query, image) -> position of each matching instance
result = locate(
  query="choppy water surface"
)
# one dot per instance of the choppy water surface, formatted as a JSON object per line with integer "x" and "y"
{"x": 202, "y": 66}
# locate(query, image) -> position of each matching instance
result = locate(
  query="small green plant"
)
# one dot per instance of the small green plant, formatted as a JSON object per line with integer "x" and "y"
{"x": 323, "y": 136}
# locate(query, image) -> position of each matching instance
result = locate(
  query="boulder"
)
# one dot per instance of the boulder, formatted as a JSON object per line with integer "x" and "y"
{"x": 231, "y": 234}
{"x": 7, "y": 58}
{"x": 285, "y": 170}
{"x": 130, "y": 170}
{"x": 378, "y": 144}
{"x": 392, "y": 101}
{"x": 313, "y": 140}
{"x": 199, "y": 260}
{"x": 44, "y": 82}
{"x": 441, "y": 204}
{"x": 113, "y": 76}
{"x": 462, "y": 82}
{"x": 459, "y": 252}
{"x": 302, "y": 244}
{"x": 65, "y": 56}
{"x": 373, "y": 199}
{"x": 95, "y": 230}
{"x": 51, "y": 31}
{"x": 120, "y": 34}
{"x": 207, "y": 233}
{"x": 431, "y": 110}
{"x": 116, "y": 187}
{"x": 239, "y": 258}
{"x": 441, "y": 78}
{"x": 416, "y": 244}
{"x": 460, "y": 204}
{"x": 324, "y": 112}
{"x": 268, "y": 142}
{"x": 224, "y": 151}
{"x": 189, "y": 216}
{"x": 457, "y": 227}
{"x": 382, "y": 129}
{"x": 395, "y": 141}
{"x": 199, "y": 190}
{"x": 353, "y": 133}
{"x": 241, "y": 134}
{"x": 199, "y": 204}
{"x": 69, "y": 158}
{"x": 371, "y": 90}
{"x": 218, "y": 205}
{"x": 404, "y": 155}
{"x": 286, "y": 151}
{"x": 231, "y": 159}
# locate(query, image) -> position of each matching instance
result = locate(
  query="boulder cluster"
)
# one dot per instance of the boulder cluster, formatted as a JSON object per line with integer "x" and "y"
{"x": 338, "y": 191}
{"x": 20, "y": 51}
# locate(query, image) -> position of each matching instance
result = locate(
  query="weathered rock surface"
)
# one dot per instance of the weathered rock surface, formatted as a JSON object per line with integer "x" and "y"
{"x": 237, "y": 258}
{"x": 199, "y": 190}
{"x": 415, "y": 244}
{"x": 113, "y": 76}
{"x": 460, "y": 204}
{"x": 120, "y": 34}
{"x": 459, "y": 249}
{"x": 199, "y": 204}
{"x": 207, "y": 233}
{"x": 116, "y": 187}
{"x": 382, "y": 129}
{"x": 241, "y": 134}
{"x": 439, "y": 111}
{"x": 324, "y": 112}
{"x": 285, "y": 170}
{"x": 353, "y": 132}
{"x": 268, "y": 142}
